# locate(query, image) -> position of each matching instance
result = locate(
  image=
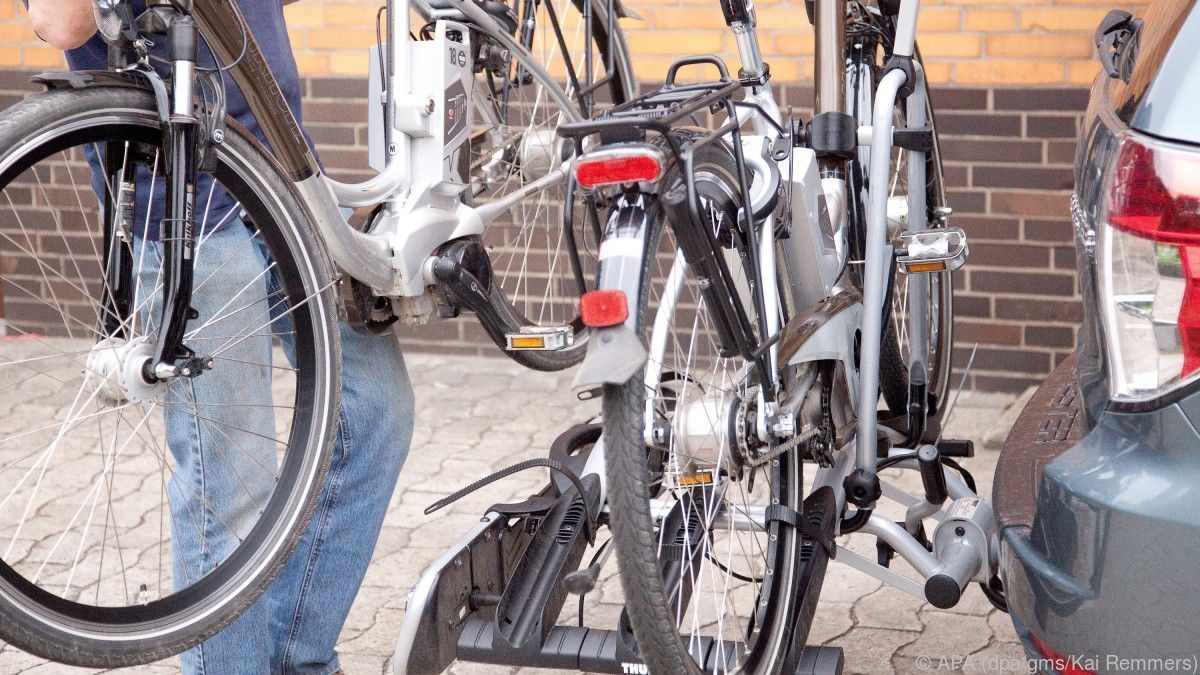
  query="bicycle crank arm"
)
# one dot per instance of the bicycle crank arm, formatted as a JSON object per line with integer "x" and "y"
{"x": 464, "y": 273}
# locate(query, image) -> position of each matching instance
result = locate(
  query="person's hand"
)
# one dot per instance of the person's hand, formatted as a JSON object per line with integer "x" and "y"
{"x": 64, "y": 24}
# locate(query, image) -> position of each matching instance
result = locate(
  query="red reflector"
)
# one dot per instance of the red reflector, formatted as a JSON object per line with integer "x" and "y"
{"x": 1189, "y": 310}
{"x": 621, "y": 169}
{"x": 600, "y": 309}
{"x": 1155, "y": 193}
{"x": 1065, "y": 665}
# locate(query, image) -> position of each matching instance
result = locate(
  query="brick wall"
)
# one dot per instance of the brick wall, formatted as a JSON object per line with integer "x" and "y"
{"x": 967, "y": 42}
{"x": 1011, "y": 79}
{"x": 1008, "y": 155}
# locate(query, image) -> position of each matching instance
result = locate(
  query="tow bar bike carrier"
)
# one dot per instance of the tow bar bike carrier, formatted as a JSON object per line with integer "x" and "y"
{"x": 494, "y": 597}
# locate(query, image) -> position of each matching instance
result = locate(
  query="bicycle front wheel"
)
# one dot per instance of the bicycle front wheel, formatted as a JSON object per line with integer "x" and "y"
{"x": 137, "y": 518}
{"x": 711, "y": 585}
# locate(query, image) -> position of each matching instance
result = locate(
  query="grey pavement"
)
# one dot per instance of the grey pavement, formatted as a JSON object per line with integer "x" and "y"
{"x": 477, "y": 415}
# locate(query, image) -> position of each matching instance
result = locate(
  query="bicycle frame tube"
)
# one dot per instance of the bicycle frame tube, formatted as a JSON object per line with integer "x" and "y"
{"x": 366, "y": 257}
{"x": 878, "y": 252}
{"x": 221, "y": 24}
{"x": 830, "y": 20}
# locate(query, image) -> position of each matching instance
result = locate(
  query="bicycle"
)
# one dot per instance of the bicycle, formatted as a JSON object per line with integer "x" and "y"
{"x": 464, "y": 215}
{"x": 746, "y": 309}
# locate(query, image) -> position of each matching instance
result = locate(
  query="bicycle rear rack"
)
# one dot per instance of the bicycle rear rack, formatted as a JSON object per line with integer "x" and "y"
{"x": 670, "y": 107}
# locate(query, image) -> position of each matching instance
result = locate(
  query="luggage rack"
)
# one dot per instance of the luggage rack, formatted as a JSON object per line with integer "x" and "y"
{"x": 667, "y": 107}
{"x": 670, "y": 107}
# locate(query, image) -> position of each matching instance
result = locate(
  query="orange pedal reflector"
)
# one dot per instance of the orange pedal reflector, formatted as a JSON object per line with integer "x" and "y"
{"x": 600, "y": 309}
{"x": 919, "y": 267}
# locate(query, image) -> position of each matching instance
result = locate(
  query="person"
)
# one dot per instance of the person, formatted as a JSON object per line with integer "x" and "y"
{"x": 294, "y": 625}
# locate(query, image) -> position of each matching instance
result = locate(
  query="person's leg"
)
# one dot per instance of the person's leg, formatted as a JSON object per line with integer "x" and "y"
{"x": 225, "y": 458}
{"x": 309, "y": 602}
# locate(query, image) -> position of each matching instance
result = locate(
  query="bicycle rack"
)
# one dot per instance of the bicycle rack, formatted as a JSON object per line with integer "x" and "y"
{"x": 495, "y": 595}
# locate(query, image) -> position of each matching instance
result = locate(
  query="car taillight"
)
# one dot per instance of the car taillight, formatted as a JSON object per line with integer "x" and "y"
{"x": 622, "y": 164}
{"x": 1149, "y": 263}
{"x": 1052, "y": 660}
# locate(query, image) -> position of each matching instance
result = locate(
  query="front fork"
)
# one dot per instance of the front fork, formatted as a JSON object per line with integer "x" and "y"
{"x": 180, "y": 141}
{"x": 178, "y": 228}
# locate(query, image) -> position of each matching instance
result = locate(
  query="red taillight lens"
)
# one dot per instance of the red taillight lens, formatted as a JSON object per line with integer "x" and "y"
{"x": 1065, "y": 665}
{"x": 600, "y": 309}
{"x": 1155, "y": 193}
{"x": 1149, "y": 267}
{"x": 619, "y": 165}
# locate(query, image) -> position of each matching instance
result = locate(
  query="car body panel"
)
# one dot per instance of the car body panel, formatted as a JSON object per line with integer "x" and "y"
{"x": 1163, "y": 92}
{"x": 1107, "y": 565}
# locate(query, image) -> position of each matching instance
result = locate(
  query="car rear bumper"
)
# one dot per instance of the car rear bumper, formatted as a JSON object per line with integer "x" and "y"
{"x": 1100, "y": 532}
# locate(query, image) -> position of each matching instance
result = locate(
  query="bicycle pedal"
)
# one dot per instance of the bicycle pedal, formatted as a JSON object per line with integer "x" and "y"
{"x": 939, "y": 250}
{"x": 540, "y": 339}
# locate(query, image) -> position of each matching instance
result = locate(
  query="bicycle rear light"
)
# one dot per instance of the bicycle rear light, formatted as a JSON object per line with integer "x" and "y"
{"x": 614, "y": 165}
{"x": 600, "y": 309}
{"x": 1148, "y": 259}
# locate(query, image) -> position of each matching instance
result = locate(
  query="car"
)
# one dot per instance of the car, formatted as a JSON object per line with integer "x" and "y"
{"x": 1097, "y": 488}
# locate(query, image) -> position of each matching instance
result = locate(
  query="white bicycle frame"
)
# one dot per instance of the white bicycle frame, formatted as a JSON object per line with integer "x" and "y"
{"x": 421, "y": 202}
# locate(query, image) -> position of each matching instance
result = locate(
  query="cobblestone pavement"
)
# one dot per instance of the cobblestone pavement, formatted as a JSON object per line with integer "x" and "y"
{"x": 478, "y": 415}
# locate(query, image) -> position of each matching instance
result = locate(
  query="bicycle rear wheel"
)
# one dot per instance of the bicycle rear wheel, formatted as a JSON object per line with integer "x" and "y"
{"x": 540, "y": 267}
{"x": 138, "y": 518}
{"x": 711, "y": 584}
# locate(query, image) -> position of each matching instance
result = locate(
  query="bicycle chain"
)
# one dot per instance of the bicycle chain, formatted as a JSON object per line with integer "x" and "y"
{"x": 786, "y": 446}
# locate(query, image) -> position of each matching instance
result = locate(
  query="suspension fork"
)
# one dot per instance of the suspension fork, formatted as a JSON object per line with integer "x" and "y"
{"x": 178, "y": 227}
{"x": 117, "y": 215}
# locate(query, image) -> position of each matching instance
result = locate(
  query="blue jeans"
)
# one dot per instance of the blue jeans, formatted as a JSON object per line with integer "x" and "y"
{"x": 220, "y": 430}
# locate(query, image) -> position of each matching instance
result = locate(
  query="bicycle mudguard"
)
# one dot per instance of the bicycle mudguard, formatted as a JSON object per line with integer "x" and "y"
{"x": 615, "y": 353}
{"x": 88, "y": 79}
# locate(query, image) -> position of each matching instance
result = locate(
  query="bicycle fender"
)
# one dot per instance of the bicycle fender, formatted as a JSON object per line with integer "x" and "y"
{"x": 616, "y": 353}
{"x": 88, "y": 79}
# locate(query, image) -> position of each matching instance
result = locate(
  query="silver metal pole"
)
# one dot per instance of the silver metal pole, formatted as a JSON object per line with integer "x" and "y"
{"x": 875, "y": 273}
{"x": 906, "y": 28}
{"x": 830, "y": 20}
{"x": 918, "y": 284}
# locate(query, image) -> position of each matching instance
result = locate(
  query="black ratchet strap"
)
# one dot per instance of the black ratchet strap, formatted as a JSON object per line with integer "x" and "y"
{"x": 553, "y": 465}
{"x": 808, "y": 529}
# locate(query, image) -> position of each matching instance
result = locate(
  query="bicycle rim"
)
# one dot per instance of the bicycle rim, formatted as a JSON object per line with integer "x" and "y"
{"x": 94, "y": 467}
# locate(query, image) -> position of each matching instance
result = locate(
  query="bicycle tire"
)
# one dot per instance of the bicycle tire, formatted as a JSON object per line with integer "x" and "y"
{"x": 632, "y": 473}
{"x": 67, "y": 631}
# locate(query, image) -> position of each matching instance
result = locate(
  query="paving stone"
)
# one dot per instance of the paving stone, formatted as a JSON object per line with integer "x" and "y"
{"x": 1002, "y": 627}
{"x": 830, "y": 622}
{"x": 889, "y": 607}
{"x": 869, "y": 650}
{"x": 476, "y": 415}
{"x": 949, "y": 634}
